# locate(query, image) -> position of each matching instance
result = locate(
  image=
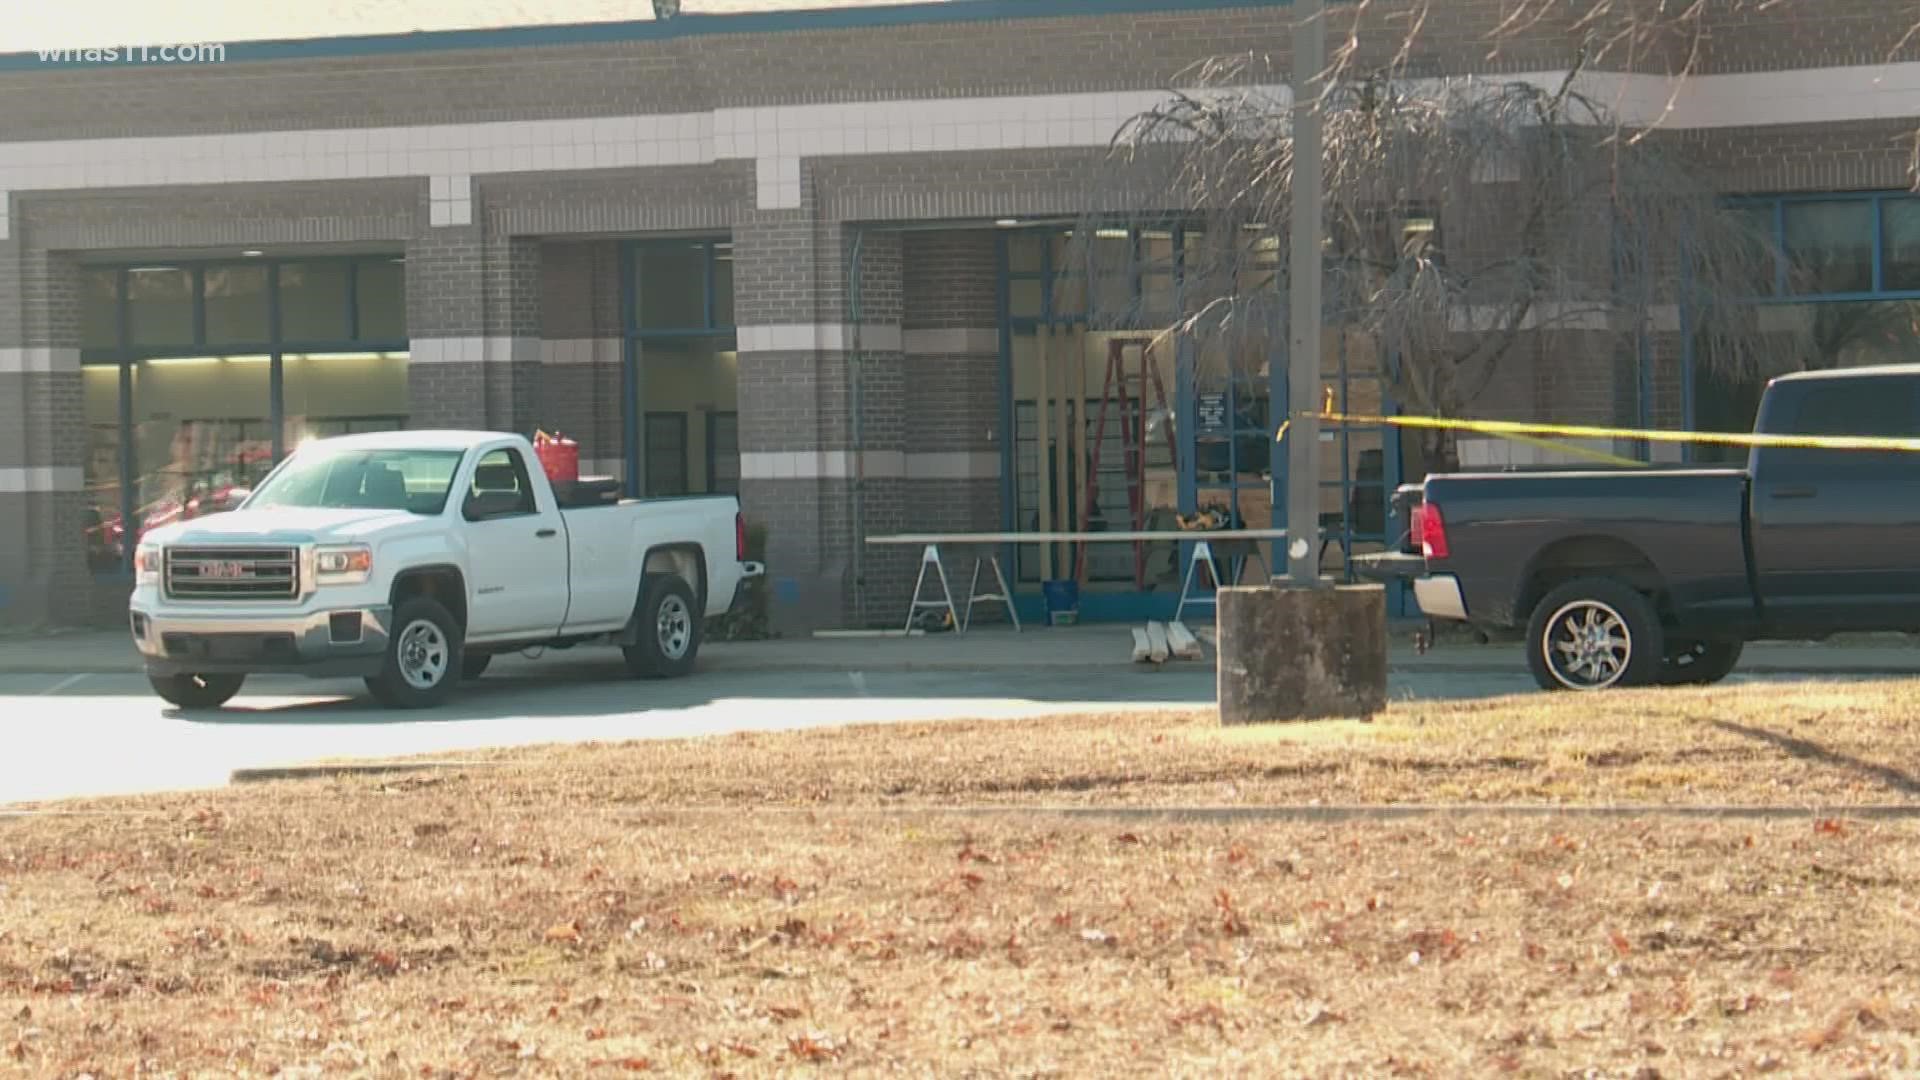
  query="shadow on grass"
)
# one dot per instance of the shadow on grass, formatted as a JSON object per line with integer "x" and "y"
{"x": 1904, "y": 782}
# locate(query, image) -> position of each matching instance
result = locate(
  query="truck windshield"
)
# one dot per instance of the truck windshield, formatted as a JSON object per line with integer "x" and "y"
{"x": 416, "y": 481}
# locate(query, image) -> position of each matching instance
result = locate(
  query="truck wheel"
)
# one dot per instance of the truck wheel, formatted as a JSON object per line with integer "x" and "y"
{"x": 1700, "y": 663}
{"x": 474, "y": 664}
{"x": 668, "y": 625}
{"x": 1594, "y": 634}
{"x": 196, "y": 691}
{"x": 423, "y": 657}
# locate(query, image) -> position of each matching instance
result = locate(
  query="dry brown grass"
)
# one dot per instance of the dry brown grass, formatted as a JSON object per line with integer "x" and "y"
{"x": 569, "y": 916}
{"x": 1824, "y": 744}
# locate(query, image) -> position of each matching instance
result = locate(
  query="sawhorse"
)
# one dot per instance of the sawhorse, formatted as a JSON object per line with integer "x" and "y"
{"x": 930, "y": 556}
{"x": 1203, "y": 555}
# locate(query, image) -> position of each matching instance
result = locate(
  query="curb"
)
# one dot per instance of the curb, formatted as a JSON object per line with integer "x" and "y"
{"x": 1334, "y": 814}
{"x": 267, "y": 774}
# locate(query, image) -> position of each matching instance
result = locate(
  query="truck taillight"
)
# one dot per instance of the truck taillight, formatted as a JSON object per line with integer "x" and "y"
{"x": 739, "y": 537}
{"x": 1432, "y": 530}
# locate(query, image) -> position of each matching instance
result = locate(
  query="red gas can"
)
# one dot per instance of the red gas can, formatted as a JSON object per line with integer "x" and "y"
{"x": 559, "y": 457}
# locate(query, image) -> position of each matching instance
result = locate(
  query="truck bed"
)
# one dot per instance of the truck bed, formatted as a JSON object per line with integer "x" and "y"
{"x": 1690, "y": 524}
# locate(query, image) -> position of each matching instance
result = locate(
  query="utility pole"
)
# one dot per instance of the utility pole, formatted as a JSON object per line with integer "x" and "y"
{"x": 1303, "y": 354}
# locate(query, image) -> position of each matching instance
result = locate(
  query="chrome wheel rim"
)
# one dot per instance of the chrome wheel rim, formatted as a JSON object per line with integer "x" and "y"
{"x": 1587, "y": 645}
{"x": 423, "y": 654}
{"x": 673, "y": 628}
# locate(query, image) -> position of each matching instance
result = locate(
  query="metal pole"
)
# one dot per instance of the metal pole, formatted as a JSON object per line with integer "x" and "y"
{"x": 1303, "y": 356}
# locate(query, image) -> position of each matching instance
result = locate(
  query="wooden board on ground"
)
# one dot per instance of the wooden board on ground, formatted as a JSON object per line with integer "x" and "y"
{"x": 1140, "y": 645}
{"x": 1157, "y": 648}
{"x": 1182, "y": 641}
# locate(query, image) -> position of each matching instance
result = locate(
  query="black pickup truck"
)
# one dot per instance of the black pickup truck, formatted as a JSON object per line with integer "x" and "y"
{"x": 1659, "y": 576}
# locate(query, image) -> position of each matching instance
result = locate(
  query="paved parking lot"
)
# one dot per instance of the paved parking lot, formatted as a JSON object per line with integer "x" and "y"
{"x": 82, "y": 734}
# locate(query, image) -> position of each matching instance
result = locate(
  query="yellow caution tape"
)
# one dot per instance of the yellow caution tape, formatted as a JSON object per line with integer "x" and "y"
{"x": 1507, "y": 428}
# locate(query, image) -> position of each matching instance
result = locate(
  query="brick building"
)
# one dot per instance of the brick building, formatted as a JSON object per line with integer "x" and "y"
{"x": 814, "y": 257}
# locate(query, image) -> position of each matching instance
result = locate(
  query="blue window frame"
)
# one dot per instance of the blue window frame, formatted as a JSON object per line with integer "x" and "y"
{"x": 206, "y": 310}
{"x": 1840, "y": 252}
{"x": 1833, "y": 247}
{"x": 671, "y": 289}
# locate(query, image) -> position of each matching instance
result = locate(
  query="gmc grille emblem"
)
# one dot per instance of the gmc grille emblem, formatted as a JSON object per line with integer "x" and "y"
{"x": 224, "y": 570}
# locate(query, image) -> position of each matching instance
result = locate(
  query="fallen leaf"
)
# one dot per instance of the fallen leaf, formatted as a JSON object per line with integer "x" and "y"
{"x": 784, "y": 1012}
{"x": 808, "y": 1048}
{"x": 1830, "y": 827}
{"x": 1620, "y": 943}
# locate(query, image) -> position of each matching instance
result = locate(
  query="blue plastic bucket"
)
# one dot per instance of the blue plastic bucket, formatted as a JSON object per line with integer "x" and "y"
{"x": 1063, "y": 601}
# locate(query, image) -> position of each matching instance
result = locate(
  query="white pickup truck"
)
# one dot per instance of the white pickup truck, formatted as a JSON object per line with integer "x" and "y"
{"x": 411, "y": 558}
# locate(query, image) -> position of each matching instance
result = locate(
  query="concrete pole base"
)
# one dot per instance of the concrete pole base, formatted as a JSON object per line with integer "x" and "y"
{"x": 1289, "y": 653}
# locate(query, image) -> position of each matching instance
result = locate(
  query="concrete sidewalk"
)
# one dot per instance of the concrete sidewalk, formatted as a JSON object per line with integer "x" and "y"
{"x": 1077, "y": 648}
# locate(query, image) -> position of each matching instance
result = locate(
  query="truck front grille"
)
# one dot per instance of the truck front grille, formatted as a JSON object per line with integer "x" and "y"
{"x": 233, "y": 573}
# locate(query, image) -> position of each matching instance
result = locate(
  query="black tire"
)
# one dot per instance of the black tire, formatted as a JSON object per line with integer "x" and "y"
{"x": 196, "y": 691}
{"x": 474, "y": 664}
{"x": 1700, "y": 663}
{"x": 1627, "y": 647}
{"x": 423, "y": 658}
{"x": 668, "y": 624}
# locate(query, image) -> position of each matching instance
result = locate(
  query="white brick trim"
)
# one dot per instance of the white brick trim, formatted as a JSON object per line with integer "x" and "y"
{"x": 17, "y": 479}
{"x": 880, "y": 465}
{"x": 951, "y": 342}
{"x": 38, "y": 359}
{"x": 450, "y": 200}
{"x": 828, "y": 337}
{"x": 566, "y": 352}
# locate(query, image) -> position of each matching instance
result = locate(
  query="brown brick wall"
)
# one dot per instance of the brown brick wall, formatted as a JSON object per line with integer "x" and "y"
{"x": 225, "y": 215}
{"x": 1017, "y": 56}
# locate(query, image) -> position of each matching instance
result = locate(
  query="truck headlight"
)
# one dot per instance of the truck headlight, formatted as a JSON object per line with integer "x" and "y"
{"x": 146, "y": 564}
{"x": 342, "y": 565}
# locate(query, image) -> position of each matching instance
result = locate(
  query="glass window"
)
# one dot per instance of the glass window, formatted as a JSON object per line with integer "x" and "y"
{"x": 723, "y": 453}
{"x": 1857, "y": 406}
{"x": 501, "y": 487}
{"x": 200, "y": 435}
{"x": 1830, "y": 245}
{"x": 1754, "y": 229}
{"x": 416, "y": 481}
{"x": 723, "y": 288}
{"x": 1900, "y": 219}
{"x": 666, "y": 454}
{"x": 1023, "y": 299}
{"x": 313, "y": 301}
{"x": 99, "y": 309}
{"x": 670, "y": 286}
{"x": 160, "y": 306}
{"x": 329, "y": 394}
{"x": 100, "y": 402}
{"x": 380, "y": 299}
{"x": 236, "y": 305}
{"x": 1023, "y": 253}
{"x": 689, "y": 400}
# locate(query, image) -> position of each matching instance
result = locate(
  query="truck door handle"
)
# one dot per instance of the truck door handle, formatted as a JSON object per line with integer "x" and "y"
{"x": 546, "y": 533}
{"x": 1794, "y": 492}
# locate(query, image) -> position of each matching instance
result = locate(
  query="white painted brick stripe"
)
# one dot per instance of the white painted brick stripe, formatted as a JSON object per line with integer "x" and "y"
{"x": 563, "y": 352}
{"x": 17, "y": 479}
{"x": 806, "y": 337}
{"x": 880, "y": 465}
{"x": 38, "y": 359}
{"x": 951, "y": 342}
